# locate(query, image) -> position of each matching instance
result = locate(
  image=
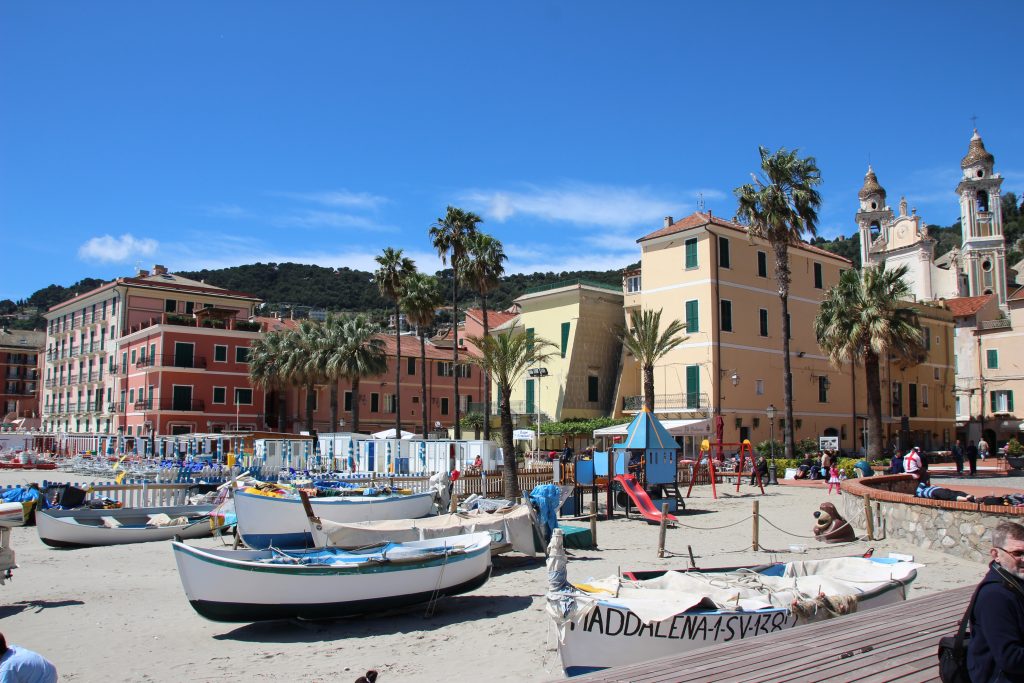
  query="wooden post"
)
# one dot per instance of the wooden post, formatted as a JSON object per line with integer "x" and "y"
{"x": 610, "y": 497}
{"x": 757, "y": 521}
{"x": 593, "y": 522}
{"x": 661, "y": 531}
{"x": 453, "y": 505}
{"x": 869, "y": 521}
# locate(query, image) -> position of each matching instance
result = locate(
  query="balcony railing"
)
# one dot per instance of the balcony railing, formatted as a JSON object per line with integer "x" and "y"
{"x": 689, "y": 402}
{"x": 169, "y": 360}
{"x": 117, "y": 407}
{"x": 180, "y": 405}
{"x": 1002, "y": 323}
{"x": 144, "y": 404}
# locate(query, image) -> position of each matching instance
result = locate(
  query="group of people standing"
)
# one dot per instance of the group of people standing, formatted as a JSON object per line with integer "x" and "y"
{"x": 972, "y": 453}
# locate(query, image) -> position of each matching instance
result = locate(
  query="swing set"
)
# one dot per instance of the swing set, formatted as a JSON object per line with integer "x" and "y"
{"x": 705, "y": 455}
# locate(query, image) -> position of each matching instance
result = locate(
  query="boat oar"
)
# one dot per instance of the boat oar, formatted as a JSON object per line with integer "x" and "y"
{"x": 304, "y": 497}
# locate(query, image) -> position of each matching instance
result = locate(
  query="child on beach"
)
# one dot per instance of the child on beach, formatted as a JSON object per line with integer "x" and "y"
{"x": 833, "y": 480}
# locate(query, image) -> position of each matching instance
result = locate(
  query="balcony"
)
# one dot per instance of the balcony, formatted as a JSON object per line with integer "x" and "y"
{"x": 180, "y": 405}
{"x": 1001, "y": 324}
{"x": 144, "y": 404}
{"x": 169, "y": 360}
{"x": 692, "y": 402}
{"x": 115, "y": 407}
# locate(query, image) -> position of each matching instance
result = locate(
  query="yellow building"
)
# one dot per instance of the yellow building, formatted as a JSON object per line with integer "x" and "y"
{"x": 990, "y": 378}
{"x": 710, "y": 274}
{"x": 581, "y": 319}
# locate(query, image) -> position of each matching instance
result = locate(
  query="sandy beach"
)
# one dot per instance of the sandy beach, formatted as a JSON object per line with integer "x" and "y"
{"x": 119, "y": 613}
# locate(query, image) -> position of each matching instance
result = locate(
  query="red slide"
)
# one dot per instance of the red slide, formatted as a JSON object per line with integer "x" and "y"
{"x": 641, "y": 500}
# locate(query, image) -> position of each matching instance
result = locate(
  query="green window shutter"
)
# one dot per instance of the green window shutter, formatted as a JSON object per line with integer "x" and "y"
{"x": 726, "y": 315}
{"x": 992, "y": 402}
{"x": 592, "y": 388}
{"x": 724, "y": 259}
{"x": 692, "y": 319}
{"x": 992, "y": 358}
{"x": 692, "y": 386}
{"x": 818, "y": 279}
{"x": 530, "y": 408}
{"x": 1009, "y": 401}
{"x": 529, "y": 339}
{"x": 691, "y": 253}
{"x": 565, "y": 338}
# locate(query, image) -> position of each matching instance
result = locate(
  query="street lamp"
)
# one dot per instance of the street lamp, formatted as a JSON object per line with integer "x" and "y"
{"x": 773, "y": 476}
{"x": 538, "y": 373}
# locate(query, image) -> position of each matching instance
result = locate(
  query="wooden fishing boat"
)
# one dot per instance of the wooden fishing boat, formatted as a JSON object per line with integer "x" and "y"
{"x": 265, "y": 521}
{"x": 254, "y": 585}
{"x": 83, "y": 528}
{"x": 619, "y": 621}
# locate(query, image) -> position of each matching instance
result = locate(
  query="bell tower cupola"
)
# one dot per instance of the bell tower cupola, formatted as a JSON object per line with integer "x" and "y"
{"x": 873, "y": 217}
{"x": 981, "y": 220}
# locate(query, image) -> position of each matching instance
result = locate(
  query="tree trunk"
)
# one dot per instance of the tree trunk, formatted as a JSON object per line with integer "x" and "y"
{"x": 310, "y": 388}
{"x": 398, "y": 370}
{"x": 455, "y": 340}
{"x": 874, "y": 395}
{"x": 782, "y": 275}
{"x": 423, "y": 381}
{"x": 510, "y": 475}
{"x": 487, "y": 379}
{"x": 649, "y": 387}
{"x": 355, "y": 403}
{"x": 282, "y": 410}
{"x": 334, "y": 405}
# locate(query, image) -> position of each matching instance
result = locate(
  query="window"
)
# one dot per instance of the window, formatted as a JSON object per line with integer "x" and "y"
{"x": 723, "y": 252}
{"x": 444, "y": 405}
{"x": 924, "y": 395}
{"x": 220, "y": 395}
{"x": 241, "y": 354}
{"x": 693, "y": 386}
{"x": 692, "y": 317}
{"x": 565, "y": 338}
{"x": 170, "y": 306}
{"x": 529, "y": 339}
{"x": 220, "y": 353}
{"x": 374, "y": 403}
{"x": 347, "y": 401}
{"x": 762, "y": 316}
{"x": 1001, "y": 401}
{"x": 133, "y": 356}
{"x": 464, "y": 371}
{"x": 633, "y": 284}
{"x": 823, "y": 385}
{"x": 690, "y": 248}
{"x": 819, "y": 281}
{"x": 926, "y": 338}
{"x": 444, "y": 369}
{"x": 190, "y": 307}
{"x": 992, "y": 359}
{"x": 762, "y": 264}
{"x": 530, "y": 406}
{"x": 592, "y": 388}
{"x": 243, "y": 397}
{"x": 912, "y": 399}
{"x": 131, "y": 396}
{"x": 410, "y": 366}
{"x": 759, "y": 387}
{"x": 897, "y": 399}
{"x": 390, "y": 403}
{"x": 726, "y": 315}
{"x": 311, "y": 397}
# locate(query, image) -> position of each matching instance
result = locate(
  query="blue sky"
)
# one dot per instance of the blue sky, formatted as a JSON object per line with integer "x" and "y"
{"x": 198, "y": 134}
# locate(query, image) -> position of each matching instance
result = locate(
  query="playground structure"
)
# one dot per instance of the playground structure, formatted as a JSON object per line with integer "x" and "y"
{"x": 706, "y": 458}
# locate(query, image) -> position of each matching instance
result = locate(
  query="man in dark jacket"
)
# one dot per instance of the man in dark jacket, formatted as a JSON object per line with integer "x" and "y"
{"x": 996, "y": 652}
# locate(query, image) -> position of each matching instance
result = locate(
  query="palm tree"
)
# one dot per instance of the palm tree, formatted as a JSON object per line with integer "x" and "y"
{"x": 865, "y": 317}
{"x": 484, "y": 268}
{"x": 451, "y": 234}
{"x": 362, "y": 355}
{"x": 266, "y": 369}
{"x": 325, "y": 356}
{"x": 394, "y": 269}
{"x": 781, "y": 207}
{"x": 300, "y": 362}
{"x": 648, "y": 344}
{"x": 421, "y": 297}
{"x": 504, "y": 358}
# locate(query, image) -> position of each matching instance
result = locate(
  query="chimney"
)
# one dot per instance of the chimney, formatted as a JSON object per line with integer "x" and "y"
{"x": 159, "y": 270}
{"x": 142, "y": 273}
{"x": 668, "y": 221}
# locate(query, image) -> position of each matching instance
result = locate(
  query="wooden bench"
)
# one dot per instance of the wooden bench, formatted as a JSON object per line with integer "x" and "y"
{"x": 893, "y": 643}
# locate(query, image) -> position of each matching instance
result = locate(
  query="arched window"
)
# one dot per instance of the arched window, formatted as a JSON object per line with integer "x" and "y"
{"x": 982, "y": 201}
{"x": 874, "y": 228}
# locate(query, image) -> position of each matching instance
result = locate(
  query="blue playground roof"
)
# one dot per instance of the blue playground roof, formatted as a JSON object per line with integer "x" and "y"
{"x": 646, "y": 432}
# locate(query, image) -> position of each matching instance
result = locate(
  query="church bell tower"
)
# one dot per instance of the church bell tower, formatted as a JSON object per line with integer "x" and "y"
{"x": 981, "y": 219}
{"x": 873, "y": 218}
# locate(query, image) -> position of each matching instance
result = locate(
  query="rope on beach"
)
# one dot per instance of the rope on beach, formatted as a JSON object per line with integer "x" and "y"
{"x": 788, "y": 533}
{"x": 712, "y": 528}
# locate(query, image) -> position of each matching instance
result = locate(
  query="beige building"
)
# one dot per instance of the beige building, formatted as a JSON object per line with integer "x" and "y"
{"x": 710, "y": 274}
{"x": 989, "y": 378}
{"x": 581, "y": 319}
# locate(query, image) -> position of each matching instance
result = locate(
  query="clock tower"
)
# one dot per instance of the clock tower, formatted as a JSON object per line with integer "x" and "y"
{"x": 981, "y": 219}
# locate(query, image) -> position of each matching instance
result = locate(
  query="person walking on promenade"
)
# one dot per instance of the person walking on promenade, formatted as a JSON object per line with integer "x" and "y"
{"x": 20, "y": 665}
{"x": 996, "y": 652}
{"x": 958, "y": 458}
{"x": 982, "y": 448}
{"x": 972, "y": 457}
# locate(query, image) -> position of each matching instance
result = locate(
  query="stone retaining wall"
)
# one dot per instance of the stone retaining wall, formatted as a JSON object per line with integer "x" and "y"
{"x": 961, "y": 529}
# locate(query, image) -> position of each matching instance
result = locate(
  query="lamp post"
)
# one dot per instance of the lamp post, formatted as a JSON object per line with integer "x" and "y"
{"x": 538, "y": 373}
{"x": 773, "y": 475}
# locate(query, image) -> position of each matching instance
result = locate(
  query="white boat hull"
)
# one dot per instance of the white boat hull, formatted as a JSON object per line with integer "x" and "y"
{"x": 265, "y": 521}
{"x": 227, "y": 585}
{"x": 612, "y": 635}
{"x": 82, "y": 528}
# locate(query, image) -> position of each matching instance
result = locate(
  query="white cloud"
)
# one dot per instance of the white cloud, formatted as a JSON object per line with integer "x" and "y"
{"x": 110, "y": 249}
{"x": 330, "y": 219}
{"x": 580, "y": 203}
{"x": 345, "y": 198}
